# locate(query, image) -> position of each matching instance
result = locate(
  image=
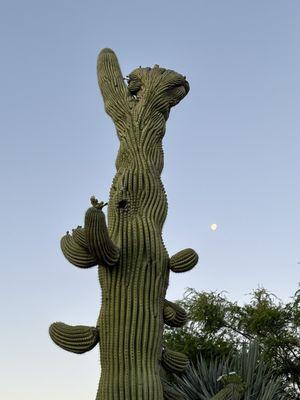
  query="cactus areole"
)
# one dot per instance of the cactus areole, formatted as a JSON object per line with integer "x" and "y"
{"x": 132, "y": 260}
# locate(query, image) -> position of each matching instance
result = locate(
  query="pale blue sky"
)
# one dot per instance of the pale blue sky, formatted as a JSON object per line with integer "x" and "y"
{"x": 232, "y": 156}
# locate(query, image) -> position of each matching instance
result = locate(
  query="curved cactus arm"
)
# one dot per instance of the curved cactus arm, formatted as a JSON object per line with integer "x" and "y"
{"x": 224, "y": 394}
{"x": 174, "y": 361}
{"x": 230, "y": 392}
{"x": 97, "y": 237}
{"x": 173, "y": 314}
{"x": 184, "y": 260}
{"x": 114, "y": 91}
{"x": 75, "y": 253}
{"x": 234, "y": 387}
{"x": 76, "y": 339}
{"x": 170, "y": 393}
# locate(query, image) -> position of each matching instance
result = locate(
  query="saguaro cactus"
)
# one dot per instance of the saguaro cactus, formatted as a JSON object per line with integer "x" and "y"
{"x": 132, "y": 261}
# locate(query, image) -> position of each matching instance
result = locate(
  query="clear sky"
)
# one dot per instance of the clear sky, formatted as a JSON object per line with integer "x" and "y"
{"x": 232, "y": 157}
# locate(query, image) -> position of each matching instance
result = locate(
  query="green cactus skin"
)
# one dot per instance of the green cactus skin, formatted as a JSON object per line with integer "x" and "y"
{"x": 184, "y": 260}
{"x": 133, "y": 262}
{"x": 173, "y": 361}
{"x": 171, "y": 394}
{"x": 174, "y": 315}
{"x": 77, "y": 339}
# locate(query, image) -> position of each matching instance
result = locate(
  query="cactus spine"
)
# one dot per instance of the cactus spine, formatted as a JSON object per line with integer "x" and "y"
{"x": 132, "y": 261}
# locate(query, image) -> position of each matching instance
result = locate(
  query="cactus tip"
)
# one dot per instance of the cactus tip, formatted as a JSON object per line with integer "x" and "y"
{"x": 95, "y": 203}
{"x": 93, "y": 200}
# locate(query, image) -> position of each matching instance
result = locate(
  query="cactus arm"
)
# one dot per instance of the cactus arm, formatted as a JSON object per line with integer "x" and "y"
{"x": 76, "y": 339}
{"x": 97, "y": 237}
{"x": 174, "y": 315}
{"x": 170, "y": 393}
{"x": 174, "y": 361}
{"x": 184, "y": 260}
{"x": 230, "y": 392}
{"x": 75, "y": 253}
{"x": 114, "y": 91}
{"x": 91, "y": 245}
{"x": 234, "y": 387}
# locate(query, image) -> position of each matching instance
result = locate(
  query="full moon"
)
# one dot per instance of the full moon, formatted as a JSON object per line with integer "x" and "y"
{"x": 213, "y": 227}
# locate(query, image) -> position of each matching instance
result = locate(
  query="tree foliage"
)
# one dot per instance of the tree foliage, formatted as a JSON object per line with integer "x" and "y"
{"x": 219, "y": 327}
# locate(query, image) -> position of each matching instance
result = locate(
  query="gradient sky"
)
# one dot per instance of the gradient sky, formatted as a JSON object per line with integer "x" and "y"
{"x": 232, "y": 157}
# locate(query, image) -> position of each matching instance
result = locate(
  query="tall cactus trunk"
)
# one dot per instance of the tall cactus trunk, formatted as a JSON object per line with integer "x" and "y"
{"x": 133, "y": 262}
{"x": 133, "y": 293}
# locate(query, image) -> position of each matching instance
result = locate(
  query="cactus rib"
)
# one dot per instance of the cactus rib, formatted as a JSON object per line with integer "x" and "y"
{"x": 79, "y": 236}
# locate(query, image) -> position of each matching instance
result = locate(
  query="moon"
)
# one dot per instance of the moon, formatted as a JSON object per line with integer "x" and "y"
{"x": 213, "y": 227}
